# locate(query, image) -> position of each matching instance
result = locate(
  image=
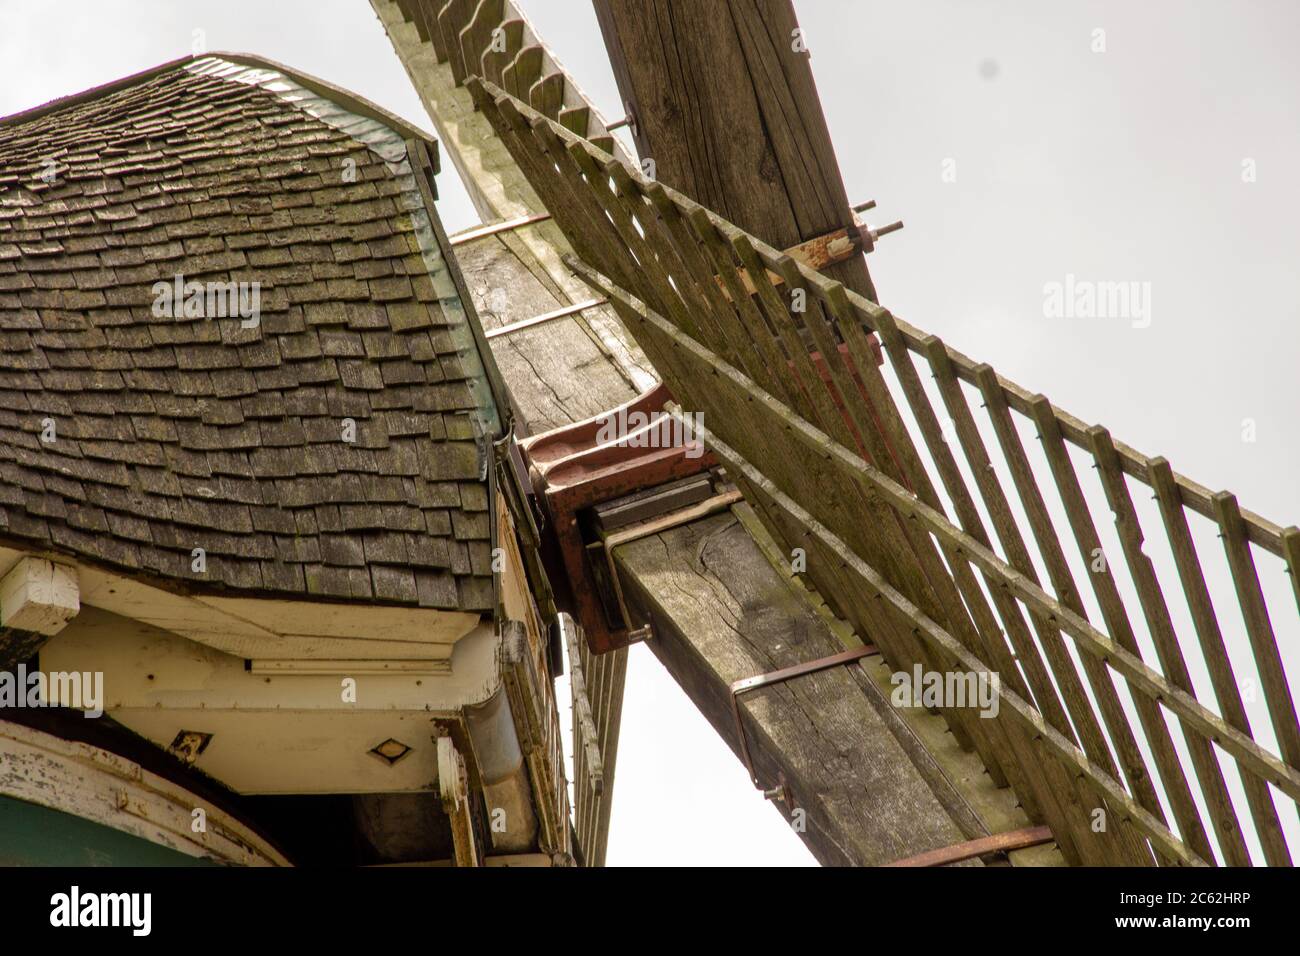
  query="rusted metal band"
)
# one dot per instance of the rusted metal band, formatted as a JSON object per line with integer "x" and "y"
{"x": 997, "y": 843}
{"x": 548, "y": 317}
{"x": 778, "y": 677}
{"x": 492, "y": 229}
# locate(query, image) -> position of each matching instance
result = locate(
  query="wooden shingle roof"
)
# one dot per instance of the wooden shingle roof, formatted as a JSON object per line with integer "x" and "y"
{"x": 131, "y": 438}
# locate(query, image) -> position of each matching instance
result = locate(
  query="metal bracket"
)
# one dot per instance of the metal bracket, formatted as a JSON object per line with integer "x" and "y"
{"x": 674, "y": 519}
{"x": 578, "y": 467}
{"x": 781, "y": 791}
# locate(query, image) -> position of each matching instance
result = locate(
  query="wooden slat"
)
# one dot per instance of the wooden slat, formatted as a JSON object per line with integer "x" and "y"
{"x": 1062, "y": 581}
{"x": 493, "y": 62}
{"x": 476, "y": 35}
{"x": 1043, "y": 693}
{"x": 1117, "y": 621}
{"x": 547, "y": 95}
{"x": 871, "y": 417}
{"x": 1215, "y": 654}
{"x": 576, "y": 119}
{"x": 451, "y": 20}
{"x": 1004, "y": 523}
{"x": 1254, "y": 610}
{"x": 695, "y": 257}
{"x": 523, "y": 71}
{"x": 431, "y": 11}
{"x": 1291, "y": 554}
{"x": 584, "y": 721}
{"x": 1159, "y": 624}
{"x": 1013, "y": 544}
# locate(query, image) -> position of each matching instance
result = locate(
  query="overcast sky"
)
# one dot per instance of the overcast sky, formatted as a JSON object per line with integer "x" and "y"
{"x": 1022, "y": 143}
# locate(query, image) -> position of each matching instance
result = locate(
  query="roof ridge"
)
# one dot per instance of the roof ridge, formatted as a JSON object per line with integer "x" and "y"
{"x": 336, "y": 94}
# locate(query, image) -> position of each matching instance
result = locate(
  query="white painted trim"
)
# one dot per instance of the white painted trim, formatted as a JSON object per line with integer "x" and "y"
{"x": 39, "y": 595}
{"x": 108, "y": 789}
{"x": 255, "y": 628}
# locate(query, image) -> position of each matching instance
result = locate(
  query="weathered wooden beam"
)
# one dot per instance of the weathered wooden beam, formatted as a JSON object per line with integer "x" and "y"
{"x": 38, "y": 598}
{"x": 864, "y": 801}
{"x": 726, "y": 106}
{"x": 454, "y": 791}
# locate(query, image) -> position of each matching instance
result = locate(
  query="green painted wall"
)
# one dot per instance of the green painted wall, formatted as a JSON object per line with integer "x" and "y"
{"x": 32, "y": 835}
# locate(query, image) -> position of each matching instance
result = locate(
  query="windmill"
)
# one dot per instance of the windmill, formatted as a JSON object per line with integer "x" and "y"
{"x": 331, "y": 518}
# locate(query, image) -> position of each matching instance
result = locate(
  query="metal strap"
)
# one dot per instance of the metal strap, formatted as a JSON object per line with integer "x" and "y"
{"x": 997, "y": 843}
{"x": 778, "y": 677}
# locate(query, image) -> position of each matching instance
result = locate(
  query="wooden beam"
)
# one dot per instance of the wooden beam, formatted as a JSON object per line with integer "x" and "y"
{"x": 39, "y": 595}
{"x": 826, "y": 733}
{"x": 454, "y": 789}
{"x": 726, "y": 106}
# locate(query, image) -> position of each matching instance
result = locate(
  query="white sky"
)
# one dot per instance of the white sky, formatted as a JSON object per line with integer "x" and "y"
{"x": 1113, "y": 166}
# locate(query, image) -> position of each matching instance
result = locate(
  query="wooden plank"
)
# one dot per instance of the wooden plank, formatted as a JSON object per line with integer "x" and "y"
{"x": 491, "y": 229}
{"x": 863, "y": 800}
{"x": 451, "y": 20}
{"x": 576, "y": 119}
{"x": 523, "y": 71}
{"x": 547, "y": 95}
{"x": 492, "y": 63}
{"x": 476, "y": 36}
{"x": 431, "y": 10}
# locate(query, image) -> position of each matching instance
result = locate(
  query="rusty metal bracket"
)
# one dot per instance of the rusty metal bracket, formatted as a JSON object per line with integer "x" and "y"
{"x": 580, "y": 466}
{"x": 997, "y": 843}
{"x": 781, "y": 791}
{"x": 674, "y": 519}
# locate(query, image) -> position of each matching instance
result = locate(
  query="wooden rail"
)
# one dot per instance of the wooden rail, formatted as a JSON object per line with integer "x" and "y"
{"x": 493, "y": 39}
{"x": 834, "y": 469}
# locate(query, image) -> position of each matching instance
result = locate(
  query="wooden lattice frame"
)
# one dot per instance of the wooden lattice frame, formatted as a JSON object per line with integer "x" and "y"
{"x": 832, "y": 467}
